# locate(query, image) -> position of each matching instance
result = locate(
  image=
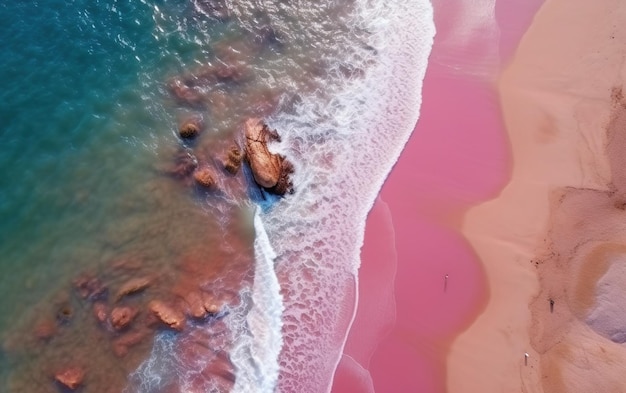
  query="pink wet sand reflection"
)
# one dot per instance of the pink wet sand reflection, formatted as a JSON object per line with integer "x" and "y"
{"x": 457, "y": 157}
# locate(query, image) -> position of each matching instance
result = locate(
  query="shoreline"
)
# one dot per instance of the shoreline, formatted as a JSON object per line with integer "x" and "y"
{"x": 414, "y": 226}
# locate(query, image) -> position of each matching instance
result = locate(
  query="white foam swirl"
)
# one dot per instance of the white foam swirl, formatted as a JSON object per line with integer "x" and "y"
{"x": 255, "y": 355}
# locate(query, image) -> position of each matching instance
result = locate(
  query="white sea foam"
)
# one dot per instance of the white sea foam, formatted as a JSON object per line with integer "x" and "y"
{"x": 149, "y": 376}
{"x": 259, "y": 340}
{"x": 343, "y": 151}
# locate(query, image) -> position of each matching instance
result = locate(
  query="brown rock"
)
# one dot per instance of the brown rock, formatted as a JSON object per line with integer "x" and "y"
{"x": 70, "y": 377}
{"x": 133, "y": 286}
{"x": 190, "y": 128}
{"x": 121, "y": 317}
{"x": 284, "y": 184}
{"x": 100, "y": 311}
{"x": 266, "y": 166}
{"x": 201, "y": 304}
{"x": 205, "y": 177}
{"x": 168, "y": 315}
{"x": 233, "y": 160}
{"x": 271, "y": 171}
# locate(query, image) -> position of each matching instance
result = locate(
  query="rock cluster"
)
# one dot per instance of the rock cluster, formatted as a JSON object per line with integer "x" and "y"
{"x": 271, "y": 171}
{"x": 123, "y": 306}
{"x": 137, "y": 307}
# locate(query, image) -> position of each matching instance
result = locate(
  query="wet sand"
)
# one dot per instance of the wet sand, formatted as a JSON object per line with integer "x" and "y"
{"x": 552, "y": 242}
{"x": 413, "y": 238}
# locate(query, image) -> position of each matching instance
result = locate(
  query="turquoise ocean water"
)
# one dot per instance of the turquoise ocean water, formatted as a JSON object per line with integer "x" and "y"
{"x": 89, "y": 122}
{"x": 85, "y": 117}
{"x": 89, "y": 117}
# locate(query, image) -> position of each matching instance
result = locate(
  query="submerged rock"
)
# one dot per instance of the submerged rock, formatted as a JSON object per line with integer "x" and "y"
{"x": 185, "y": 93}
{"x": 190, "y": 128}
{"x": 201, "y": 305}
{"x": 205, "y": 177}
{"x": 271, "y": 171}
{"x": 170, "y": 316}
{"x": 233, "y": 160}
{"x": 194, "y": 305}
{"x": 133, "y": 286}
{"x": 222, "y": 72}
{"x": 100, "y": 311}
{"x": 131, "y": 263}
{"x": 211, "y": 305}
{"x": 121, "y": 317}
{"x": 71, "y": 377}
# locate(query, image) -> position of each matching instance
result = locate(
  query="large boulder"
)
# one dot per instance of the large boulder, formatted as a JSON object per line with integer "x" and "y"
{"x": 284, "y": 184}
{"x": 266, "y": 166}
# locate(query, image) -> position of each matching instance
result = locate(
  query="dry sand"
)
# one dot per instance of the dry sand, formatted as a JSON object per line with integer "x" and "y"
{"x": 558, "y": 229}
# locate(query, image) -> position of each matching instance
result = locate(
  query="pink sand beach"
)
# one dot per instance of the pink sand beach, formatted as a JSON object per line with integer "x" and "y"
{"x": 552, "y": 241}
{"x": 420, "y": 279}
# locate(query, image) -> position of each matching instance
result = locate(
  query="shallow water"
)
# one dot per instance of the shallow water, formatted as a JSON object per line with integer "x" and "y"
{"x": 94, "y": 93}
{"x": 86, "y": 126}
